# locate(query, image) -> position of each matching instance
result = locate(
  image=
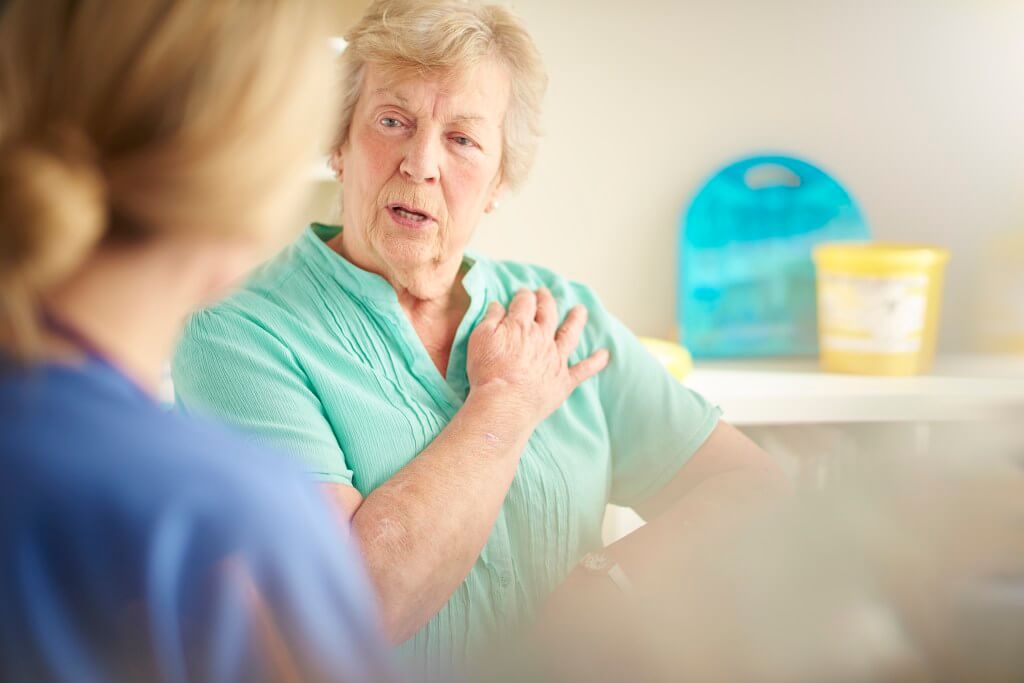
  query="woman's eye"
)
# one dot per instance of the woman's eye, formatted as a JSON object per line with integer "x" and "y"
{"x": 390, "y": 122}
{"x": 462, "y": 141}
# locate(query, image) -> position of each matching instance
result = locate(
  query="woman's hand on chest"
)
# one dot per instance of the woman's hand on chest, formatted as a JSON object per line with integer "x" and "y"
{"x": 526, "y": 353}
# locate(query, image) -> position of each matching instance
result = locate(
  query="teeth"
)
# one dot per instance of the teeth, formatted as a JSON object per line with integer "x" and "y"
{"x": 409, "y": 214}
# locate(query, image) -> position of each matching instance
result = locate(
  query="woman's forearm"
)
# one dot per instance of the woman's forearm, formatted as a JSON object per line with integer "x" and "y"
{"x": 422, "y": 530}
{"x": 676, "y": 564}
{"x": 703, "y": 521}
{"x": 681, "y": 545}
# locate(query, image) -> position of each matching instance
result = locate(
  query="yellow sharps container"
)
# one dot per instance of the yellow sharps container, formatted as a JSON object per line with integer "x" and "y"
{"x": 878, "y": 306}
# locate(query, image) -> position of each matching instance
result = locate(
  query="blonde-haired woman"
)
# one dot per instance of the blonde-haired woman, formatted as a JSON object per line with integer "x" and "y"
{"x": 150, "y": 151}
{"x": 435, "y": 394}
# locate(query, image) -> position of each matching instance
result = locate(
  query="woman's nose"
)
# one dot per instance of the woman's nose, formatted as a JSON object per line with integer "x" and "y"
{"x": 422, "y": 159}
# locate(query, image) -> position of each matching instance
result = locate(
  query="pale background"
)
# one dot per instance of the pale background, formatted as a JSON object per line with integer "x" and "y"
{"x": 916, "y": 106}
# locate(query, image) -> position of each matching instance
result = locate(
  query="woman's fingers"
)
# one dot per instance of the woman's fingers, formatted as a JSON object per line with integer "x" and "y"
{"x": 525, "y": 353}
{"x": 547, "y": 310}
{"x": 568, "y": 335}
{"x": 493, "y": 315}
{"x": 588, "y": 367}
{"x": 523, "y": 308}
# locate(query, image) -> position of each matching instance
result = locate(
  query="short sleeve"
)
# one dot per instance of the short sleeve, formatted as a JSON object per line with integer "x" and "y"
{"x": 655, "y": 423}
{"x": 265, "y": 588}
{"x": 229, "y": 367}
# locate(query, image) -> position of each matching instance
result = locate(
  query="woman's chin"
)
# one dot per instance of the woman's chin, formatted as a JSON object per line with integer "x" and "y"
{"x": 407, "y": 251}
{"x": 409, "y": 255}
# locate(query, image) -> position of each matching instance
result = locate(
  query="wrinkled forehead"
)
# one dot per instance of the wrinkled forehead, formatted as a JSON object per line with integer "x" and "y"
{"x": 479, "y": 91}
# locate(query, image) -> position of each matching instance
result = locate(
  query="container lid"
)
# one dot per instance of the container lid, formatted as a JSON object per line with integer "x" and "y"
{"x": 771, "y": 197}
{"x": 861, "y": 256}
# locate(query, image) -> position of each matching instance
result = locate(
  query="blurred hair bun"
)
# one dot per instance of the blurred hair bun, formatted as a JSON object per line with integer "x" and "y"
{"x": 52, "y": 208}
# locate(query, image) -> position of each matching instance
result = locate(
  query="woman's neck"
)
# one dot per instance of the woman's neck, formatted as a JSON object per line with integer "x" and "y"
{"x": 436, "y": 321}
{"x": 433, "y": 299}
{"x": 453, "y": 301}
{"x": 126, "y": 307}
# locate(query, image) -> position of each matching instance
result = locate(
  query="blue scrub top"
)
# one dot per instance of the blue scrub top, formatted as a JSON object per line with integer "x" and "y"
{"x": 134, "y": 547}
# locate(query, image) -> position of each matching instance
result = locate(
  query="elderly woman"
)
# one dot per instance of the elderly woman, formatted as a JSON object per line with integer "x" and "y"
{"x": 433, "y": 392}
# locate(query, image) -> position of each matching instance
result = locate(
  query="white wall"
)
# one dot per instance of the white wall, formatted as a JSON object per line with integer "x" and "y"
{"x": 917, "y": 106}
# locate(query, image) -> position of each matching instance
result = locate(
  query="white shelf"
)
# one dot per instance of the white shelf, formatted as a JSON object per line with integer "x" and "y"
{"x": 792, "y": 392}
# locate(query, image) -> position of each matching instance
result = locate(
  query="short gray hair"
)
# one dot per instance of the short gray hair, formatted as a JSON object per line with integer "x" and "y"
{"x": 416, "y": 37}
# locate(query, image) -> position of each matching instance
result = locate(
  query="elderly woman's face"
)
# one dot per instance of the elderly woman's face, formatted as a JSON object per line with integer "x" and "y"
{"x": 421, "y": 164}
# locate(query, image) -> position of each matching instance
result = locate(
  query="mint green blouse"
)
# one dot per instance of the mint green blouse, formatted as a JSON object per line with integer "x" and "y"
{"x": 316, "y": 356}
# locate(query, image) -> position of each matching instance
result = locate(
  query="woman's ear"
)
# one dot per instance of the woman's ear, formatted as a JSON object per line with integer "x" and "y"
{"x": 336, "y": 162}
{"x": 495, "y": 199}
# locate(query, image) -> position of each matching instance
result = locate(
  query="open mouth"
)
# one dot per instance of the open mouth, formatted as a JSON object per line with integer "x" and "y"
{"x": 408, "y": 216}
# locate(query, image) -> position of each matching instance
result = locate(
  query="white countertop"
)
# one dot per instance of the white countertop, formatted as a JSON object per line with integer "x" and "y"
{"x": 796, "y": 391}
